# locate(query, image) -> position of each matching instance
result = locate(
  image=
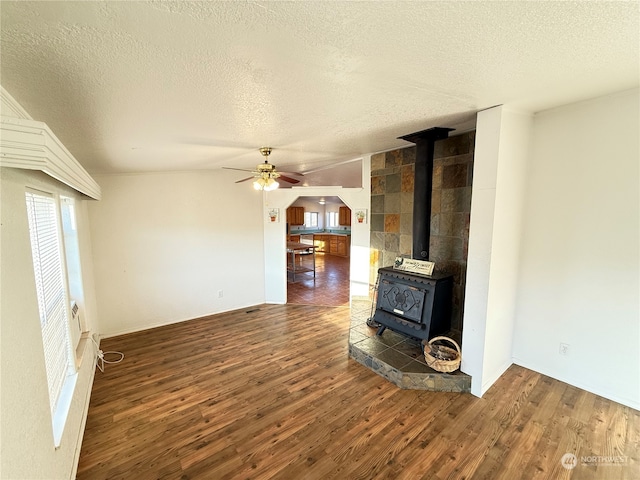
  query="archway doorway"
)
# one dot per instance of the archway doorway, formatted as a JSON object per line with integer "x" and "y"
{"x": 323, "y": 223}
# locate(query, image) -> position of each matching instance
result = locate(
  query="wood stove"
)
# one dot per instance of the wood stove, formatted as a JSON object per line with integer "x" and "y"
{"x": 413, "y": 304}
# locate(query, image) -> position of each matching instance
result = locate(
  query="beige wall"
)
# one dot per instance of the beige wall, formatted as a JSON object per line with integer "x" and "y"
{"x": 563, "y": 267}
{"x": 26, "y": 438}
{"x": 166, "y": 244}
{"x": 579, "y": 277}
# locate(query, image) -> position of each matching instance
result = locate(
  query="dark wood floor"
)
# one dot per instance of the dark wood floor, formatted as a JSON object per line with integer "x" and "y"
{"x": 271, "y": 393}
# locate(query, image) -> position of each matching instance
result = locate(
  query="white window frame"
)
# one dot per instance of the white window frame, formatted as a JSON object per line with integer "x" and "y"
{"x": 333, "y": 219}
{"x": 310, "y": 219}
{"x": 43, "y": 212}
{"x": 70, "y": 245}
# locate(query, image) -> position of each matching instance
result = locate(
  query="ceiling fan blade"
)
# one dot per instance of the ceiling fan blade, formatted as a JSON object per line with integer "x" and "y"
{"x": 245, "y": 179}
{"x": 300, "y": 174}
{"x": 239, "y": 169}
{"x": 288, "y": 179}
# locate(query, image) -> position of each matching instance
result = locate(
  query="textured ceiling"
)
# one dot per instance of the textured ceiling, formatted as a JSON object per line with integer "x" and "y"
{"x": 158, "y": 86}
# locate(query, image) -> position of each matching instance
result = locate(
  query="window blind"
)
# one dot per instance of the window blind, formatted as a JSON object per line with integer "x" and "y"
{"x": 50, "y": 287}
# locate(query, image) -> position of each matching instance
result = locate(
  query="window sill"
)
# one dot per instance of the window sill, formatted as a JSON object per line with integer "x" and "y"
{"x": 68, "y": 388}
{"x": 62, "y": 408}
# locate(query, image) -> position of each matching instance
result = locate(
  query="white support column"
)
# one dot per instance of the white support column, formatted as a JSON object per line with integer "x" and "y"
{"x": 500, "y": 162}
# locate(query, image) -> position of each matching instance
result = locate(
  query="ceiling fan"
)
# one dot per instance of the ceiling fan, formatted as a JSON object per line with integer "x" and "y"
{"x": 265, "y": 174}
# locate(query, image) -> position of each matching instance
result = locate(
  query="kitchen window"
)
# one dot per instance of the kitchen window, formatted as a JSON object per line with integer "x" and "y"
{"x": 310, "y": 219}
{"x": 332, "y": 218}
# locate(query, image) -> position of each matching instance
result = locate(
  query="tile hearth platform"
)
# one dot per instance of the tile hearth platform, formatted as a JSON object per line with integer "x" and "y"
{"x": 396, "y": 357}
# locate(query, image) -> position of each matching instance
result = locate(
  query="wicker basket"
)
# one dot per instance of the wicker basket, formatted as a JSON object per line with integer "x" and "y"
{"x": 440, "y": 357}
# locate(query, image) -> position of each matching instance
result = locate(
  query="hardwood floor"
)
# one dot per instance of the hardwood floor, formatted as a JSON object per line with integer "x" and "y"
{"x": 269, "y": 392}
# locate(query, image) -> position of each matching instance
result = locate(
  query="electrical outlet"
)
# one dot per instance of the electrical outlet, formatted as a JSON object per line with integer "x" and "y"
{"x": 564, "y": 349}
{"x": 220, "y": 294}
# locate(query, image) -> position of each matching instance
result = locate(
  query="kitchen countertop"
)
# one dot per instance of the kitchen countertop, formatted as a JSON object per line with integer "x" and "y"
{"x": 298, "y": 246}
{"x": 346, "y": 234}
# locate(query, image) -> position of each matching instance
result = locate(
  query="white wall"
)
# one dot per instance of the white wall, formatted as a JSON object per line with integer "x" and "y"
{"x": 166, "y": 244}
{"x": 500, "y": 164}
{"x": 26, "y": 438}
{"x": 275, "y": 235}
{"x": 580, "y": 249}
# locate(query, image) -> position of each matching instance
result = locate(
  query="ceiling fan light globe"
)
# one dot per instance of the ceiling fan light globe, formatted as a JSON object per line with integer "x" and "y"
{"x": 271, "y": 184}
{"x": 258, "y": 184}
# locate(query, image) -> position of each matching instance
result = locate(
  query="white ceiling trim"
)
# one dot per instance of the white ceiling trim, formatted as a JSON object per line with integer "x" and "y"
{"x": 11, "y": 108}
{"x": 31, "y": 145}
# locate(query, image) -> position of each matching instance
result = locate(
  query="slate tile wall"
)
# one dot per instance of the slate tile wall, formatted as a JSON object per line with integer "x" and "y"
{"x": 392, "y": 183}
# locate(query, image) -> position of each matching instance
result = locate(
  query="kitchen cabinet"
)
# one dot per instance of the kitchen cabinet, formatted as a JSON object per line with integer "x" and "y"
{"x": 295, "y": 215}
{"x": 343, "y": 245}
{"x": 294, "y": 238}
{"x": 320, "y": 242}
{"x": 332, "y": 244}
{"x": 344, "y": 216}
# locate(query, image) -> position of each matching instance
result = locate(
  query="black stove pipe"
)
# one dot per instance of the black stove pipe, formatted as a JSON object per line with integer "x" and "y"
{"x": 423, "y": 186}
